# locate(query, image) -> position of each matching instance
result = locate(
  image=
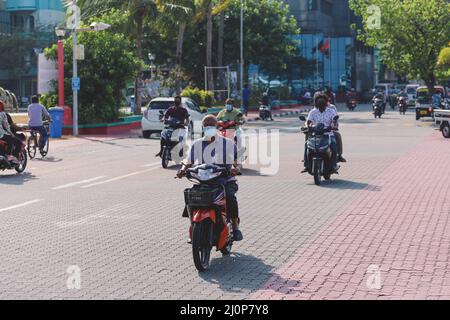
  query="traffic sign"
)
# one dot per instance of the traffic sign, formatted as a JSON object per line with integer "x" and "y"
{"x": 76, "y": 84}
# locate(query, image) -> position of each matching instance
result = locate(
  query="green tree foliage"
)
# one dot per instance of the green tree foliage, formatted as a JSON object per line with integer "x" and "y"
{"x": 109, "y": 64}
{"x": 409, "y": 34}
{"x": 267, "y": 27}
{"x": 443, "y": 72}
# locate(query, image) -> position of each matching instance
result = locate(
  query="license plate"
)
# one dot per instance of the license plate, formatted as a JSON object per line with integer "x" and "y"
{"x": 425, "y": 112}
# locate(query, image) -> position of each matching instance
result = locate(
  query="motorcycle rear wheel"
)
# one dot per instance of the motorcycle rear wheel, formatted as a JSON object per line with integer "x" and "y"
{"x": 201, "y": 244}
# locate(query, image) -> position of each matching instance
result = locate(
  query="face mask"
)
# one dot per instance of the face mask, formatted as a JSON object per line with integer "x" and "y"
{"x": 210, "y": 131}
{"x": 229, "y": 107}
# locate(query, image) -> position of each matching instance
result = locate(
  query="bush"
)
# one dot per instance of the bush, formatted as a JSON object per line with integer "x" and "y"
{"x": 207, "y": 98}
{"x": 109, "y": 63}
{"x": 201, "y": 97}
{"x": 49, "y": 100}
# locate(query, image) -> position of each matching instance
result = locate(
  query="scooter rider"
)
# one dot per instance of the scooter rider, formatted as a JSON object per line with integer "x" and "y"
{"x": 215, "y": 149}
{"x": 266, "y": 102}
{"x": 177, "y": 112}
{"x": 230, "y": 113}
{"x": 338, "y": 136}
{"x": 324, "y": 114}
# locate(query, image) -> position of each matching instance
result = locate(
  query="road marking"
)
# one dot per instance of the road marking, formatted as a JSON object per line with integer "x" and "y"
{"x": 73, "y": 184}
{"x": 21, "y": 205}
{"x": 151, "y": 164}
{"x": 118, "y": 178}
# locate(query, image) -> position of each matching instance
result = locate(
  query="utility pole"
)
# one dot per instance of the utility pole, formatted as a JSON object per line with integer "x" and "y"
{"x": 75, "y": 75}
{"x": 242, "y": 54}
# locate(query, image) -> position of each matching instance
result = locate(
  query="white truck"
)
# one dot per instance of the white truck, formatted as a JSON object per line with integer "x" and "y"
{"x": 442, "y": 120}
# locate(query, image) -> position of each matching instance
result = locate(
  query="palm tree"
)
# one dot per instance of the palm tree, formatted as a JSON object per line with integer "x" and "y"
{"x": 140, "y": 10}
{"x": 208, "y": 9}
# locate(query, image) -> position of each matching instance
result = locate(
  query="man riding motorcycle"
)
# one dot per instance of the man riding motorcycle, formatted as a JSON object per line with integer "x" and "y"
{"x": 323, "y": 113}
{"x": 217, "y": 150}
{"x": 6, "y": 134}
{"x": 230, "y": 114}
{"x": 178, "y": 113}
{"x": 351, "y": 95}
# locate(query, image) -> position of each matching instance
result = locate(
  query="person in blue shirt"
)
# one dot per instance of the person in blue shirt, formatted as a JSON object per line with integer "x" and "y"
{"x": 37, "y": 112}
{"x": 246, "y": 95}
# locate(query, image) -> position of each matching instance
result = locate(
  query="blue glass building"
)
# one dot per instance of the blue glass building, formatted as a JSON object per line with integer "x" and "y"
{"x": 34, "y": 19}
{"x": 329, "y": 55}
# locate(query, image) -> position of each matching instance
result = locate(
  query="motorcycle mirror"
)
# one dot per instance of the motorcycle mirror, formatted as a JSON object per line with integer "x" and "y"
{"x": 302, "y": 118}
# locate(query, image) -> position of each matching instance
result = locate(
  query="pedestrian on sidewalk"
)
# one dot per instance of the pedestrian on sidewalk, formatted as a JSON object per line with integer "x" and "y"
{"x": 246, "y": 94}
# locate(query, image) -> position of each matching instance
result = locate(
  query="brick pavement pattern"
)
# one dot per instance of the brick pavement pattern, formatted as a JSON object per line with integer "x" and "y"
{"x": 391, "y": 242}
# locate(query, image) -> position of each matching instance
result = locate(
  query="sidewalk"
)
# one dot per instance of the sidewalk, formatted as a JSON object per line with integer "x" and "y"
{"x": 391, "y": 242}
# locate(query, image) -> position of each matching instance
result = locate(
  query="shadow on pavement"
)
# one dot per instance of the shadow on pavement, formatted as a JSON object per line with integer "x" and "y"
{"x": 48, "y": 159}
{"x": 253, "y": 173}
{"x": 348, "y": 185}
{"x": 17, "y": 179}
{"x": 237, "y": 273}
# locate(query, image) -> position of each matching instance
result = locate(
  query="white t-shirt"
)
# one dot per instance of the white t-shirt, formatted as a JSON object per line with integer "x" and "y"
{"x": 326, "y": 117}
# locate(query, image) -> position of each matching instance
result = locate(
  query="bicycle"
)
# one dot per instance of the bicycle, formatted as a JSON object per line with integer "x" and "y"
{"x": 33, "y": 142}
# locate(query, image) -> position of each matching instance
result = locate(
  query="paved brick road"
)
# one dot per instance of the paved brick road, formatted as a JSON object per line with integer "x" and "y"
{"x": 106, "y": 206}
{"x": 399, "y": 225}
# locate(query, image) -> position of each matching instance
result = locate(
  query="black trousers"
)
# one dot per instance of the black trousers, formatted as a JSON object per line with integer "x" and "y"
{"x": 14, "y": 145}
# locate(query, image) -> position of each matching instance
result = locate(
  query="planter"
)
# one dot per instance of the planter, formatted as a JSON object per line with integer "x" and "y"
{"x": 123, "y": 126}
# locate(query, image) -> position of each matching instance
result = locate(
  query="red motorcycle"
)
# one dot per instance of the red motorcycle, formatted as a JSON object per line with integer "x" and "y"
{"x": 5, "y": 164}
{"x": 230, "y": 130}
{"x": 206, "y": 206}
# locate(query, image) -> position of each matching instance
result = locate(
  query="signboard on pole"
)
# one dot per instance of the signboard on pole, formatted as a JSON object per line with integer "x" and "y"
{"x": 76, "y": 84}
{"x": 47, "y": 72}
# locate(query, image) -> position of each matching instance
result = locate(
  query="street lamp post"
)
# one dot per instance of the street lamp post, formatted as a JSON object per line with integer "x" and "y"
{"x": 60, "y": 33}
{"x": 242, "y": 55}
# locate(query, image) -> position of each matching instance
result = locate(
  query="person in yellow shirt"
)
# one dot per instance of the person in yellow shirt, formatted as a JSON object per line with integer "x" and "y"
{"x": 230, "y": 113}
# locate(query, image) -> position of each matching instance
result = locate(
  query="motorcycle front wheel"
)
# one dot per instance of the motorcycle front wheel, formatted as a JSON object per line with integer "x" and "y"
{"x": 317, "y": 174}
{"x": 165, "y": 158}
{"x": 201, "y": 243}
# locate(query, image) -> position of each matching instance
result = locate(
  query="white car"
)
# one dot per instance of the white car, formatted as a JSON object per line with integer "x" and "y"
{"x": 411, "y": 91}
{"x": 151, "y": 120}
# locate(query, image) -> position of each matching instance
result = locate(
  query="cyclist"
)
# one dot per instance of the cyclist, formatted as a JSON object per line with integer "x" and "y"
{"x": 37, "y": 112}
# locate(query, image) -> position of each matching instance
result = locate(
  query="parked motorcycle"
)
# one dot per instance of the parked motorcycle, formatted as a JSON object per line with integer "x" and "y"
{"x": 378, "y": 107}
{"x": 173, "y": 135}
{"x": 206, "y": 206}
{"x": 402, "y": 105}
{"x": 319, "y": 154}
{"x": 265, "y": 113}
{"x": 9, "y": 165}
